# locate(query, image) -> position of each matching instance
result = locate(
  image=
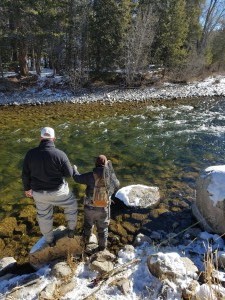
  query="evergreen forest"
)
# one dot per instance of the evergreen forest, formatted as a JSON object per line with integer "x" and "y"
{"x": 114, "y": 40}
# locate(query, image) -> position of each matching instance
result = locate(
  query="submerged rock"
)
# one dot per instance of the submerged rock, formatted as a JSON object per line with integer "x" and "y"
{"x": 7, "y": 227}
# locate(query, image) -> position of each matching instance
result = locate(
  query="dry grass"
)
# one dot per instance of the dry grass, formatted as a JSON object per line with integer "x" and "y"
{"x": 211, "y": 267}
{"x": 72, "y": 262}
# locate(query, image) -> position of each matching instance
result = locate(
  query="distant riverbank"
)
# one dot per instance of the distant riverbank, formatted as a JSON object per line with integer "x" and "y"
{"x": 42, "y": 93}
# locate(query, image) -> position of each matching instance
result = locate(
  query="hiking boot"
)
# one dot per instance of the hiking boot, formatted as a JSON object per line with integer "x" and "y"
{"x": 70, "y": 234}
{"x": 91, "y": 249}
{"x": 52, "y": 243}
{"x": 101, "y": 248}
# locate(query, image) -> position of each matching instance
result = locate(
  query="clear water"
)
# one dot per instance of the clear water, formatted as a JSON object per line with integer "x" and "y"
{"x": 163, "y": 143}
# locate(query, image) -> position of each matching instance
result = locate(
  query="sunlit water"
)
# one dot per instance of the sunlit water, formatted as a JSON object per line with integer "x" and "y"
{"x": 161, "y": 143}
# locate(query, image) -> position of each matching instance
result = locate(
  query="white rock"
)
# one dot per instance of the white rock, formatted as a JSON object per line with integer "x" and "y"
{"x": 139, "y": 195}
{"x": 210, "y": 194}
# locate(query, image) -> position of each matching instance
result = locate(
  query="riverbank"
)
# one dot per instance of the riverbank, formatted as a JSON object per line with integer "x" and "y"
{"x": 48, "y": 90}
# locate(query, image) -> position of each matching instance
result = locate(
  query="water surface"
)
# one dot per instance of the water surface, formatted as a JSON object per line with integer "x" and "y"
{"x": 163, "y": 143}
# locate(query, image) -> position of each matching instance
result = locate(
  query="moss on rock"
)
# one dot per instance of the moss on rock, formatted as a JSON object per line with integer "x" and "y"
{"x": 28, "y": 213}
{"x": 7, "y": 227}
{"x": 139, "y": 217}
{"x": 117, "y": 228}
{"x": 2, "y": 245}
{"x": 129, "y": 227}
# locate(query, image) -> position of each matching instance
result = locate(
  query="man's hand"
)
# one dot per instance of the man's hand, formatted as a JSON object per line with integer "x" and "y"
{"x": 29, "y": 193}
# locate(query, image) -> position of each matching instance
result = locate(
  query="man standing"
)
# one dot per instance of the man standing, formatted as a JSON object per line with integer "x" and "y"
{"x": 44, "y": 170}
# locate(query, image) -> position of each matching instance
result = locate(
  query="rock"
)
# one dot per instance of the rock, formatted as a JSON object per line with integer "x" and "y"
{"x": 123, "y": 285}
{"x": 49, "y": 291}
{"x": 171, "y": 266}
{"x": 66, "y": 287}
{"x": 141, "y": 238}
{"x": 210, "y": 194}
{"x": 101, "y": 266}
{"x": 42, "y": 254}
{"x": 103, "y": 256}
{"x": 218, "y": 276}
{"x": 139, "y": 195}
{"x": 169, "y": 291}
{"x": 6, "y": 264}
{"x": 102, "y": 261}
{"x": 210, "y": 291}
{"x": 117, "y": 228}
{"x": 155, "y": 235}
{"x": 129, "y": 227}
{"x": 28, "y": 213}
{"x": 21, "y": 229}
{"x": 126, "y": 254}
{"x": 221, "y": 259}
{"x": 2, "y": 244}
{"x": 190, "y": 291}
{"x": 61, "y": 269}
{"x": 7, "y": 226}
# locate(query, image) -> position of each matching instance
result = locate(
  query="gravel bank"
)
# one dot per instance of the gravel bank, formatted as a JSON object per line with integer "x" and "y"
{"x": 212, "y": 86}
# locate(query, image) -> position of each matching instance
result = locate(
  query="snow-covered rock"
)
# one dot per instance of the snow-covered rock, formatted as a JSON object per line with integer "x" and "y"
{"x": 171, "y": 266}
{"x": 139, "y": 195}
{"x": 210, "y": 195}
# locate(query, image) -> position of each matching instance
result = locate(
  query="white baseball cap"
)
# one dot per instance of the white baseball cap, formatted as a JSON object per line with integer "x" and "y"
{"x": 47, "y": 133}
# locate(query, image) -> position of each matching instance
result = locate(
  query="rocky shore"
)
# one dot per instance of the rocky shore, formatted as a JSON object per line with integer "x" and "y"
{"x": 172, "y": 265}
{"x": 48, "y": 90}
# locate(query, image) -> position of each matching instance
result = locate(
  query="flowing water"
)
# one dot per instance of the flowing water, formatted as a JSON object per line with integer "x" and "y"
{"x": 159, "y": 143}
{"x": 156, "y": 142}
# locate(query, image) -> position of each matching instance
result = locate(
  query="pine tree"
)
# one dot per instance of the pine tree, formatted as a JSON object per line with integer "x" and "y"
{"x": 107, "y": 29}
{"x": 172, "y": 35}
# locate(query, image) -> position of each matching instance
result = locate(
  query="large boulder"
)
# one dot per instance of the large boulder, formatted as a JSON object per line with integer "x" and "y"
{"x": 209, "y": 207}
{"x": 139, "y": 195}
{"x": 42, "y": 254}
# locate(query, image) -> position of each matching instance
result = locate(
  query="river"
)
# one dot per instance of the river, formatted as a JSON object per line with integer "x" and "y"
{"x": 158, "y": 143}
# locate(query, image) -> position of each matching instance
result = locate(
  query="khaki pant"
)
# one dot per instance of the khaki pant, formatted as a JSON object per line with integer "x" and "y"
{"x": 45, "y": 201}
{"x": 96, "y": 216}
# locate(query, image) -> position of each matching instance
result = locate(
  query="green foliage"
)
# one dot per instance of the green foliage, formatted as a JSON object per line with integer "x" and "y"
{"x": 108, "y": 25}
{"x": 173, "y": 31}
{"x": 83, "y": 36}
{"x": 218, "y": 49}
{"x": 193, "y": 12}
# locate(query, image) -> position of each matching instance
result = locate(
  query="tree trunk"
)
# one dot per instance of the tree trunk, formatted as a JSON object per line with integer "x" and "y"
{"x": 38, "y": 62}
{"x": 22, "y": 56}
{"x": 1, "y": 68}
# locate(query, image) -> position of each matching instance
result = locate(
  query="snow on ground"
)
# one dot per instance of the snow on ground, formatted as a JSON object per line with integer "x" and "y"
{"x": 143, "y": 285}
{"x": 211, "y": 86}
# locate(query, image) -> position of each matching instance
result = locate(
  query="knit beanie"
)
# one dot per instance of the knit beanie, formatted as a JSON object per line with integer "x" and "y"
{"x": 101, "y": 160}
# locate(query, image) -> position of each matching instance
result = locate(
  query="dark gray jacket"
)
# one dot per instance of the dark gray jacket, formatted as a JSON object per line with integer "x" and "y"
{"x": 45, "y": 167}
